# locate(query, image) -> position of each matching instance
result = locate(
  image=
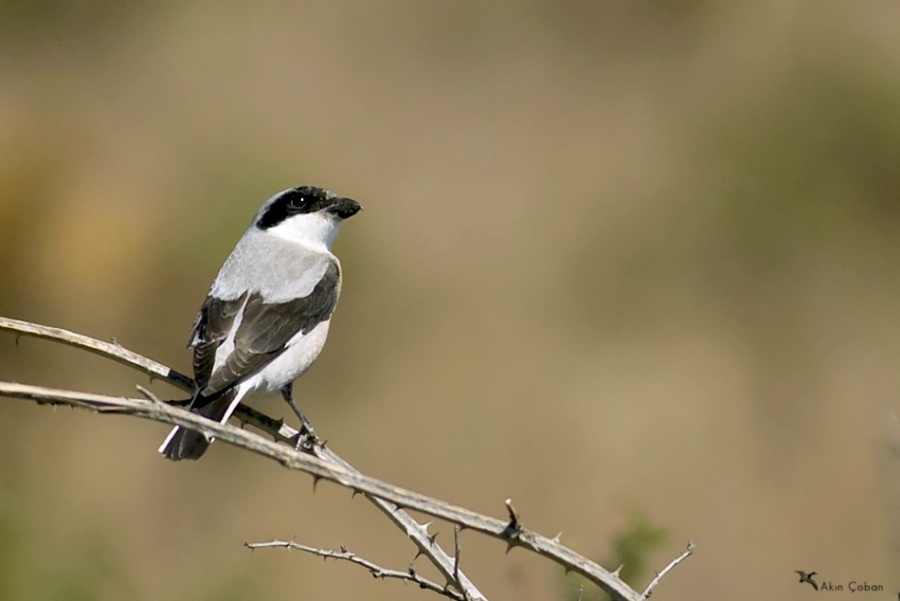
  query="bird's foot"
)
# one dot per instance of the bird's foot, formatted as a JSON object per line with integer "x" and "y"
{"x": 306, "y": 439}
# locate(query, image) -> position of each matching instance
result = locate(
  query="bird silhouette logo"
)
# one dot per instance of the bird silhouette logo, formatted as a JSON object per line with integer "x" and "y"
{"x": 807, "y": 577}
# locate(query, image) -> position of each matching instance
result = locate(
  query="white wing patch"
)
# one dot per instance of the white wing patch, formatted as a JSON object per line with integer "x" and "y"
{"x": 227, "y": 347}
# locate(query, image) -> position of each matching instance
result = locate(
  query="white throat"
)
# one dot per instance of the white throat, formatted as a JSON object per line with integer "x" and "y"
{"x": 314, "y": 231}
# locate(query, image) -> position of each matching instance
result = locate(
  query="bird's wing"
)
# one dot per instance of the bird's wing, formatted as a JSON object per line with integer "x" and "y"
{"x": 255, "y": 331}
{"x": 211, "y": 328}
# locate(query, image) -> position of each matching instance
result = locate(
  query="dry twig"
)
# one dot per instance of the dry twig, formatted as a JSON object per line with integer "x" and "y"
{"x": 159, "y": 411}
{"x": 376, "y": 570}
{"x": 687, "y": 553}
{"x": 325, "y": 465}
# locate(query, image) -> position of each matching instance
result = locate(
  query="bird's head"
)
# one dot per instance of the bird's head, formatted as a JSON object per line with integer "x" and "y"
{"x": 305, "y": 215}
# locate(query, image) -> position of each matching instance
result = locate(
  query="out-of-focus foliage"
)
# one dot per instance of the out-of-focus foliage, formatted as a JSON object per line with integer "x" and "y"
{"x": 631, "y": 550}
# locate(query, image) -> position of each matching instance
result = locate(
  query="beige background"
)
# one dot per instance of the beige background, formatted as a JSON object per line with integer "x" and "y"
{"x": 620, "y": 261}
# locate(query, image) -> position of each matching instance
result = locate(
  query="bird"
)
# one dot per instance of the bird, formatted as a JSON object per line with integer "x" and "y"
{"x": 807, "y": 577}
{"x": 267, "y": 314}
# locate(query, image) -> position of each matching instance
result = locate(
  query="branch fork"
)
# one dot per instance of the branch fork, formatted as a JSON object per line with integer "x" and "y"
{"x": 323, "y": 464}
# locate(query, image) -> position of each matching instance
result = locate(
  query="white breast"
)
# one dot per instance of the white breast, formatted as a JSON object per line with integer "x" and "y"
{"x": 301, "y": 352}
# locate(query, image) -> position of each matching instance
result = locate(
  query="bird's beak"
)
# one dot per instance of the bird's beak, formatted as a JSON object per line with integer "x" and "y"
{"x": 344, "y": 208}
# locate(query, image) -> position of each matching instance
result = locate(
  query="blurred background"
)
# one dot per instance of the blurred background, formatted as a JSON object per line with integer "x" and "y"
{"x": 631, "y": 264}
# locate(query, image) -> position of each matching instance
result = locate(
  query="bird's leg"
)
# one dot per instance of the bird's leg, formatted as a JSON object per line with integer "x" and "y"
{"x": 306, "y": 437}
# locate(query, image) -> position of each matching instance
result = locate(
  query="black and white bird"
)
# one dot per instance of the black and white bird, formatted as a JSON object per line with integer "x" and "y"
{"x": 267, "y": 314}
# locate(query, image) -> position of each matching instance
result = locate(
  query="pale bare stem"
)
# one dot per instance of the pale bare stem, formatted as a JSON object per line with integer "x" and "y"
{"x": 326, "y": 465}
{"x": 275, "y": 428}
{"x": 279, "y": 431}
{"x": 110, "y": 350}
{"x": 387, "y": 497}
{"x": 418, "y": 533}
{"x": 147, "y": 394}
{"x": 376, "y": 570}
{"x": 687, "y": 553}
{"x": 456, "y": 551}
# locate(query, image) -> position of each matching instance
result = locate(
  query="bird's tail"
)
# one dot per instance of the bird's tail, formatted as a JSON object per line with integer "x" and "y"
{"x": 182, "y": 443}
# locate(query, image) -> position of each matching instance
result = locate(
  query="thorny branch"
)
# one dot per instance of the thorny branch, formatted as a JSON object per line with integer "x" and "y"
{"x": 376, "y": 570}
{"x": 687, "y": 553}
{"x": 325, "y": 465}
{"x": 277, "y": 429}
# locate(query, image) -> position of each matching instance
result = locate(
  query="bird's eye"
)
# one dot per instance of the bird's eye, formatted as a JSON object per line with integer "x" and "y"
{"x": 298, "y": 202}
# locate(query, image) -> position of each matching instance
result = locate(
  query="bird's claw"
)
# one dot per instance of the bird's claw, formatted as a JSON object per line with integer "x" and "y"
{"x": 306, "y": 440}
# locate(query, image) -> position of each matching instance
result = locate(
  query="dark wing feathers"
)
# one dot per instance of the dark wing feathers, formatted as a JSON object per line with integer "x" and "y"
{"x": 210, "y": 330}
{"x": 264, "y": 331}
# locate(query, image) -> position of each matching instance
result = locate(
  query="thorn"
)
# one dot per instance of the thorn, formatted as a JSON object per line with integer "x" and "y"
{"x": 514, "y": 527}
{"x": 557, "y": 538}
{"x": 433, "y": 537}
{"x": 412, "y": 569}
{"x": 426, "y": 526}
{"x": 618, "y": 570}
{"x": 316, "y": 482}
{"x": 510, "y": 509}
{"x": 343, "y": 548}
{"x": 353, "y": 494}
{"x": 418, "y": 554}
{"x": 513, "y": 515}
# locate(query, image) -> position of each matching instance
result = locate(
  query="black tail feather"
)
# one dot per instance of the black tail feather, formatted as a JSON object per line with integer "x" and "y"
{"x": 190, "y": 444}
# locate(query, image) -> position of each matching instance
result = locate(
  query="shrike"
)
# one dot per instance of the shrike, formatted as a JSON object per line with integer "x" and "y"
{"x": 267, "y": 314}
